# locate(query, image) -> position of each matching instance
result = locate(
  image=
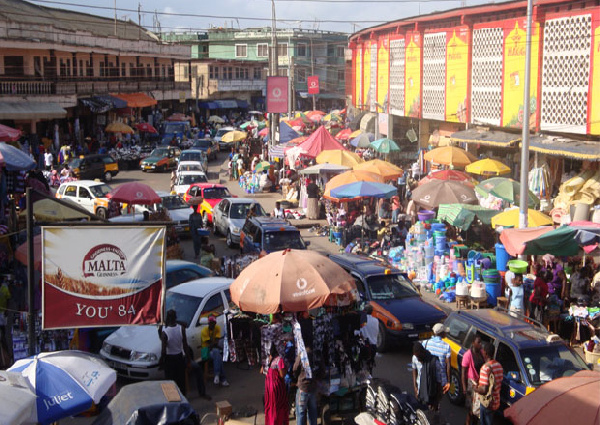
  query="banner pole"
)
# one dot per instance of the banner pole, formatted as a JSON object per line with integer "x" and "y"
{"x": 30, "y": 275}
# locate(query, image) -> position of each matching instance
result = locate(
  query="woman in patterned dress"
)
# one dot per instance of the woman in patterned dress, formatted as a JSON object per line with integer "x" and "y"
{"x": 276, "y": 400}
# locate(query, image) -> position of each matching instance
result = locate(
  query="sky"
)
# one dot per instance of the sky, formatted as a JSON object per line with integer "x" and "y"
{"x": 346, "y": 16}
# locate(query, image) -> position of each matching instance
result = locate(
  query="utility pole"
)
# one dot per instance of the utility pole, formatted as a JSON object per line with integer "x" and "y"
{"x": 524, "y": 180}
{"x": 290, "y": 70}
{"x": 274, "y": 67}
{"x": 139, "y": 21}
{"x": 312, "y": 70}
{"x": 292, "y": 91}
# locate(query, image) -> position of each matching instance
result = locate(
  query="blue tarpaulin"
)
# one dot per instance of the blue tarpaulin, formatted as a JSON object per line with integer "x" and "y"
{"x": 286, "y": 133}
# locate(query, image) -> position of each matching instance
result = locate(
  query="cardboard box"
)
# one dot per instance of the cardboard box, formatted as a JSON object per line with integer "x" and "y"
{"x": 224, "y": 409}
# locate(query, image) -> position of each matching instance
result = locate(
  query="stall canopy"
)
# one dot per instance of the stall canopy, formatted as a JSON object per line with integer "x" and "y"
{"x": 514, "y": 239}
{"x": 286, "y": 133}
{"x": 320, "y": 141}
{"x": 486, "y": 137}
{"x": 568, "y": 148}
{"x": 31, "y": 111}
{"x": 104, "y": 103}
{"x": 462, "y": 215}
{"x": 564, "y": 241}
{"x": 137, "y": 100}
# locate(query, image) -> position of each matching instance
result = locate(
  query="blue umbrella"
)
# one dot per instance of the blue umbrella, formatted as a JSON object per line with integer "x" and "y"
{"x": 66, "y": 383}
{"x": 363, "y": 189}
{"x": 15, "y": 159}
{"x": 363, "y": 140}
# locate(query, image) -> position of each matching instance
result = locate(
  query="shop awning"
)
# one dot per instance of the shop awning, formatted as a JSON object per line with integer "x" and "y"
{"x": 208, "y": 105}
{"x": 576, "y": 149}
{"x": 95, "y": 105}
{"x": 242, "y": 104}
{"x": 112, "y": 100}
{"x": 486, "y": 137}
{"x": 226, "y": 104}
{"x": 31, "y": 111}
{"x": 136, "y": 100}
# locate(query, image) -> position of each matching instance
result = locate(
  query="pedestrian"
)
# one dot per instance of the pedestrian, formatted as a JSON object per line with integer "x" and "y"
{"x": 173, "y": 180}
{"x": 537, "y": 299}
{"x": 212, "y": 339}
{"x": 48, "y": 160}
{"x": 490, "y": 382}
{"x": 440, "y": 348}
{"x": 306, "y": 395}
{"x": 516, "y": 296}
{"x": 276, "y": 398}
{"x": 174, "y": 349}
{"x": 278, "y": 212}
{"x": 429, "y": 381}
{"x": 396, "y": 209}
{"x": 471, "y": 364}
{"x": 196, "y": 223}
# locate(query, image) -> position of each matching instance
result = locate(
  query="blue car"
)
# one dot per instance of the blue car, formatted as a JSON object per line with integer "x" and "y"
{"x": 179, "y": 271}
{"x": 402, "y": 314}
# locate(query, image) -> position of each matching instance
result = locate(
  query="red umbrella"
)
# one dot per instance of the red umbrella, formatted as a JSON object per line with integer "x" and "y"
{"x": 135, "y": 193}
{"x": 9, "y": 134}
{"x": 264, "y": 132}
{"x": 344, "y": 134}
{"x": 455, "y": 175}
{"x": 144, "y": 127}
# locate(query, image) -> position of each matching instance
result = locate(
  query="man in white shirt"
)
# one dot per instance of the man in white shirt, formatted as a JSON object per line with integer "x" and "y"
{"x": 278, "y": 211}
{"x": 48, "y": 159}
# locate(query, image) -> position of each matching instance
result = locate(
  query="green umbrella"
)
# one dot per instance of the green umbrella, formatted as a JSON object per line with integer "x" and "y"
{"x": 559, "y": 242}
{"x": 385, "y": 146}
{"x": 505, "y": 188}
{"x": 462, "y": 215}
{"x": 262, "y": 166}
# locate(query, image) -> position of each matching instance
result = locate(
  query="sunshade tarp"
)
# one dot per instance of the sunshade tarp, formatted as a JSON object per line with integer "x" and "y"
{"x": 486, "y": 137}
{"x": 320, "y": 141}
{"x": 286, "y": 133}
{"x": 576, "y": 149}
{"x": 324, "y": 168}
{"x": 514, "y": 239}
{"x": 137, "y": 100}
{"x": 462, "y": 215}
{"x": 563, "y": 241}
{"x": 31, "y": 111}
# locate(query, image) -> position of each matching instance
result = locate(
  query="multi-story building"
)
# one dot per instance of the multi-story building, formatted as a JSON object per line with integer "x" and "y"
{"x": 61, "y": 67}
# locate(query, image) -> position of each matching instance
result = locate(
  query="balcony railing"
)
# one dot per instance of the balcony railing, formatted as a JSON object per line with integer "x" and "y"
{"x": 83, "y": 88}
{"x": 237, "y": 85}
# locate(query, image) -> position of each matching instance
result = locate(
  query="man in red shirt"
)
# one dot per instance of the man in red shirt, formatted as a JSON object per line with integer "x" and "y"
{"x": 490, "y": 367}
{"x": 539, "y": 295}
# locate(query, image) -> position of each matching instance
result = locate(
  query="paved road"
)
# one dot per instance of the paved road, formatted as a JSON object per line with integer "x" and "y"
{"x": 247, "y": 385}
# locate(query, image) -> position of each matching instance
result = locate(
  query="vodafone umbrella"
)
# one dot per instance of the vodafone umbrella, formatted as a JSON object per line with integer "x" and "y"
{"x": 455, "y": 175}
{"x": 292, "y": 280}
{"x": 135, "y": 193}
{"x": 9, "y": 134}
{"x": 436, "y": 192}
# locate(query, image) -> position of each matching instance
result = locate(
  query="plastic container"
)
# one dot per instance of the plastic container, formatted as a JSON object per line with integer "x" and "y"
{"x": 517, "y": 266}
{"x": 494, "y": 290}
{"x": 478, "y": 289}
{"x": 462, "y": 289}
{"x": 425, "y": 215}
{"x": 502, "y": 257}
{"x": 470, "y": 271}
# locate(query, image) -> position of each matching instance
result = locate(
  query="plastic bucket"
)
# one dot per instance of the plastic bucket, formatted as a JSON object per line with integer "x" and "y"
{"x": 494, "y": 290}
{"x": 425, "y": 215}
{"x": 517, "y": 266}
{"x": 502, "y": 257}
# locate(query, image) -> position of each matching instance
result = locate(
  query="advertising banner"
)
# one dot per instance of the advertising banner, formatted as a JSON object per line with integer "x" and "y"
{"x": 358, "y": 75}
{"x": 457, "y": 54}
{"x": 313, "y": 84}
{"x": 412, "y": 82}
{"x": 366, "y": 83}
{"x": 277, "y": 95}
{"x": 99, "y": 276}
{"x": 514, "y": 73}
{"x": 594, "y": 93}
{"x": 383, "y": 71}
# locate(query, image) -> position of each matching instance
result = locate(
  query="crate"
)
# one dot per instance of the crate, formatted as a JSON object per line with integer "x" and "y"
{"x": 593, "y": 358}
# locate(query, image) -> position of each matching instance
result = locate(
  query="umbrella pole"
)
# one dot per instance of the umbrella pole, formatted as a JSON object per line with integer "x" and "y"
{"x": 30, "y": 275}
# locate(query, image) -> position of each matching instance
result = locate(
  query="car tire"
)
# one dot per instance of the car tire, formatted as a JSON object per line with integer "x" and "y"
{"x": 229, "y": 240}
{"x": 215, "y": 230}
{"x": 107, "y": 176}
{"x": 382, "y": 338}
{"x": 456, "y": 392}
{"x": 102, "y": 213}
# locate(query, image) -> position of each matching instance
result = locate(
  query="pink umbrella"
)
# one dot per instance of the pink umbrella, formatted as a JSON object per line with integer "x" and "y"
{"x": 135, "y": 193}
{"x": 144, "y": 127}
{"x": 263, "y": 132}
{"x": 344, "y": 134}
{"x": 9, "y": 134}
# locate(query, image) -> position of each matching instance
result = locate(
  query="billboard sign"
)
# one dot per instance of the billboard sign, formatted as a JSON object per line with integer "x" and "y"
{"x": 313, "y": 84}
{"x": 277, "y": 95}
{"x": 98, "y": 276}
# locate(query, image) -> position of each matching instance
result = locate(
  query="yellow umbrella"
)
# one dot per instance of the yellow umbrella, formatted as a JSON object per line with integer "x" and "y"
{"x": 118, "y": 127}
{"x": 234, "y": 136}
{"x": 355, "y": 134}
{"x": 332, "y": 117}
{"x": 350, "y": 176}
{"x": 450, "y": 155}
{"x": 339, "y": 157}
{"x": 510, "y": 218}
{"x": 487, "y": 167}
{"x": 385, "y": 169}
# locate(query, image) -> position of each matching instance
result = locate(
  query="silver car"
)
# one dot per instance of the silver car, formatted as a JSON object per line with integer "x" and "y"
{"x": 230, "y": 214}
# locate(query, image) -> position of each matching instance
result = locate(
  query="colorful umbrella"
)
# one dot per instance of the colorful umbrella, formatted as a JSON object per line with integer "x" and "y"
{"x": 292, "y": 280}
{"x": 505, "y": 188}
{"x": 66, "y": 383}
{"x": 332, "y": 117}
{"x": 364, "y": 189}
{"x": 385, "y": 146}
{"x": 343, "y": 134}
{"x": 17, "y": 401}
{"x": 564, "y": 241}
{"x": 487, "y": 167}
{"x": 384, "y": 168}
{"x": 450, "y": 155}
{"x": 569, "y": 399}
{"x": 50, "y": 210}
{"x": 118, "y": 127}
{"x": 324, "y": 168}
{"x": 15, "y": 159}
{"x": 216, "y": 119}
{"x": 355, "y": 133}
{"x": 339, "y": 157}
{"x": 234, "y": 136}
{"x": 363, "y": 140}
{"x": 297, "y": 140}
{"x": 510, "y": 218}
{"x": 462, "y": 215}
{"x": 135, "y": 193}
{"x": 262, "y": 166}
{"x": 9, "y": 134}
{"x": 263, "y": 132}
{"x": 350, "y": 177}
{"x": 436, "y": 192}
{"x": 144, "y": 127}
{"x": 455, "y": 175}
{"x": 514, "y": 239}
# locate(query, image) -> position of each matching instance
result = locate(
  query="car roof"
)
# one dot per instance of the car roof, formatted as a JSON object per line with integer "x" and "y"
{"x": 363, "y": 264}
{"x": 85, "y": 183}
{"x": 172, "y": 265}
{"x": 188, "y": 163}
{"x": 270, "y": 223}
{"x": 202, "y": 287}
{"x": 191, "y": 172}
{"x": 226, "y": 128}
{"x": 242, "y": 200}
{"x": 192, "y": 151}
{"x": 209, "y": 185}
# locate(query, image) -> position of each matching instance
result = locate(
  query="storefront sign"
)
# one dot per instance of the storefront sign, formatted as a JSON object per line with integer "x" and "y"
{"x": 102, "y": 276}
{"x": 313, "y": 84}
{"x": 277, "y": 94}
{"x": 412, "y": 82}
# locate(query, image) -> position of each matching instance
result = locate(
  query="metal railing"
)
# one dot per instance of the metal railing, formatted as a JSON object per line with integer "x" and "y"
{"x": 33, "y": 87}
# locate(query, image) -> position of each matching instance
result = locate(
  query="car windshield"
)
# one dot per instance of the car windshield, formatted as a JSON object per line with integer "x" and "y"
{"x": 160, "y": 152}
{"x": 241, "y": 210}
{"x": 280, "y": 240}
{"x": 545, "y": 363}
{"x": 173, "y": 203}
{"x": 205, "y": 144}
{"x": 190, "y": 167}
{"x": 192, "y": 178}
{"x": 216, "y": 193}
{"x": 174, "y": 128}
{"x": 100, "y": 190}
{"x": 191, "y": 156}
{"x": 185, "y": 306}
{"x": 390, "y": 287}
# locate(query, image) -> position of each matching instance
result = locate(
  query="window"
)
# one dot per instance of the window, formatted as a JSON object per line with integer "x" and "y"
{"x": 507, "y": 359}
{"x": 257, "y": 74}
{"x": 458, "y": 330}
{"x": 123, "y": 70}
{"x": 213, "y": 306}
{"x": 330, "y": 50}
{"x": 241, "y": 50}
{"x": 245, "y": 74}
{"x": 71, "y": 191}
{"x": 341, "y": 75}
{"x": 84, "y": 193}
{"x": 301, "y": 75}
{"x": 340, "y": 51}
{"x": 282, "y": 49}
{"x": 238, "y": 73}
{"x": 229, "y": 73}
{"x": 301, "y": 50}
{"x": 181, "y": 276}
{"x": 262, "y": 50}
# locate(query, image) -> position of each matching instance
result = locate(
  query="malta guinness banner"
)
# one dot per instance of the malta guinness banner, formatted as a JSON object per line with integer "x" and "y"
{"x": 102, "y": 276}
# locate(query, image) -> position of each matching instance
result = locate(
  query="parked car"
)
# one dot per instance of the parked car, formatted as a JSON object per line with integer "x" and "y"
{"x": 269, "y": 234}
{"x": 161, "y": 159}
{"x": 528, "y": 353}
{"x": 134, "y": 351}
{"x": 175, "y": 130}
{"x": 403, "y": 315}
{"x": 88, "y": 194}
{"x": 223, "y": 146}
{"x": 189, "y": 166}
{"x": 97, "y": 166}
{"x": 195, "y": 155}
{"x": 211, "y": 194}
{"x": 229, "y": 216}
{"x": 186, "y": 178}
{"x": 206, "y": 145}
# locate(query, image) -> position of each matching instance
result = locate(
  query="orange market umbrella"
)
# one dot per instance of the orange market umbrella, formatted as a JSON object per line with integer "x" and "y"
{"x": 570, "y": 399}
{"x": 455, "y": 175}
{"x": 385, "y": 169}
{"x": 350, "y": 177}
{"x": 292, "y": 280}
{"x": 450, "y": 155}
{"x": 118, "y": 127}
{"x": 339, "y": 157}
